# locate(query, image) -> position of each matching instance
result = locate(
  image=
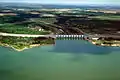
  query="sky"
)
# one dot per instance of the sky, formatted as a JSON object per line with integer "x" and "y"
{"x": 96, "y": 2}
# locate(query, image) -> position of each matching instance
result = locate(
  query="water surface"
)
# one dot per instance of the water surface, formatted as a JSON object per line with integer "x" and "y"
{"x": 66, "y": 60}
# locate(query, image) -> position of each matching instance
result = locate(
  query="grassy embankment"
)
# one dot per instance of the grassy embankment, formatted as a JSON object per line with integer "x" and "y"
{"x": 106, "y": 43}
{"x": 21, "y": 43}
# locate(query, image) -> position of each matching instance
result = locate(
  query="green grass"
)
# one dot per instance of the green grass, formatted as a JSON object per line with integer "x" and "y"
{"x": 22, "y": 42}
{"x": 20, "y": 29}
{"x": 47, "y": 20}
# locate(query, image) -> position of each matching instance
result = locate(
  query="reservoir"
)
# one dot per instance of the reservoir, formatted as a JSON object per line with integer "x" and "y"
{"x": 66, "y": 60}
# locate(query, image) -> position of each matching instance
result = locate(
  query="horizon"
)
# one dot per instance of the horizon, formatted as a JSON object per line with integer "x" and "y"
{"x": 68, "y": 2}
{"x": 62, "y": 4}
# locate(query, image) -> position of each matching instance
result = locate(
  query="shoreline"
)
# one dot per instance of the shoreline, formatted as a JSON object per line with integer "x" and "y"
{"x": 37, "y": 45}
{"x": 107, "y": 45}
{"x": 25, "y": 48}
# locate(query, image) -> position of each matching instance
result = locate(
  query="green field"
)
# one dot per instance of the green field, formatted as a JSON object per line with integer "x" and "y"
{"x": 21, "y": 29}
{"x": 47, "y": 20}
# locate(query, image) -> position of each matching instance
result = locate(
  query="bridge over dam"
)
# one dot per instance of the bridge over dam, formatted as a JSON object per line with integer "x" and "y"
{"x": 86, "y": 37}
{"x": 83, "y": 36}
{"x": 50, "y": 35}
{"x": 70, "y": 37}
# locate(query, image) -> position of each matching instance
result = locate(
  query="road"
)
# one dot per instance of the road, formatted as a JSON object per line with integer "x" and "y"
{"x": 103, "y": 35}
{"x": 54, "y": 36}
{"x": 25, "y": 35}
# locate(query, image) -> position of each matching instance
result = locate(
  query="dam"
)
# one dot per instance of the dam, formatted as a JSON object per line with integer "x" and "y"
{"x": 70, "y": 37}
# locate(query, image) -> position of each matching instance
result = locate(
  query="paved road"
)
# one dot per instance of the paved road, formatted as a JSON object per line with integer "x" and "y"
{"x": 104, "y": 35}
{"x": 25, "y": 35}
{"x": 54, "y": 36}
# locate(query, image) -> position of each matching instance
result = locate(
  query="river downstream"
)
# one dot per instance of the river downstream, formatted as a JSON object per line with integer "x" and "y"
{"x": 66, "y": 60}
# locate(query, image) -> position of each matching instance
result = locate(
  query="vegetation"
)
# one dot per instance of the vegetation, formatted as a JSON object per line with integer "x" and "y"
{"x": 107, "y": 17}
{"x": 107, "y": 41}
{"x": 46, "y": 20}
{"x": 11, "y": 19}
{"x": 64, "y": 22}
{"x": 24, "y": 42}
{"x": 20, "y": 29}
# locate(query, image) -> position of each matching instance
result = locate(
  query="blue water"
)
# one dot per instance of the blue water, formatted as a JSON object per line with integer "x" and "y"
{"x": 66, "y": 60}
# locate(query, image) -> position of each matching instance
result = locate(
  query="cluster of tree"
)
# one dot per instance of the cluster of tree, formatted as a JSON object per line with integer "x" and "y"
{"x": 21, "y": 42}
{"x": 96, "y": 26}
{"x": 11, "y": 19}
